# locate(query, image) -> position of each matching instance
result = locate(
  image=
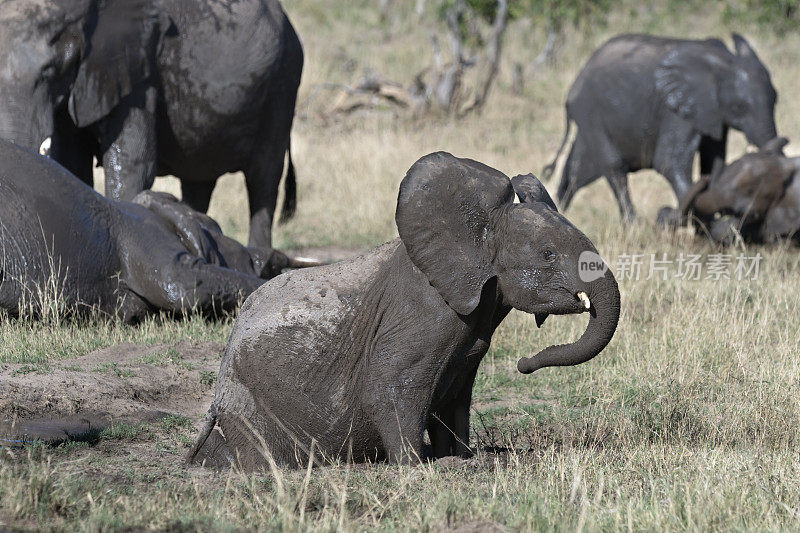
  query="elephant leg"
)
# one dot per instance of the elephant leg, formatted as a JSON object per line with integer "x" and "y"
{"x": 263, "y": 176}
{"x": 129, "y": 146}
{"x": 449, "y": 427}
{"x": 674, "y": 155}
{"x": 184, "y": 283}
{"x": 197, "y": 194}
{"x": 440, "y": 429}
{"x": 712, "y": 152}
{"x": 262, "y": 190}
{"x": 579, "y": 171}
{"x": 619, "y": 185}
{"x": 400, "y": 428}
{"x": 11, "y": 291}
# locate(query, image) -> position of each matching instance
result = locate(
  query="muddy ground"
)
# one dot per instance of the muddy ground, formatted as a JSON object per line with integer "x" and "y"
{"x": 77, "y": 399}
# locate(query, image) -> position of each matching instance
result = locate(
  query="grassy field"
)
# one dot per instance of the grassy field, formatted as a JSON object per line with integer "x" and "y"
{"x": 689, "y": 420}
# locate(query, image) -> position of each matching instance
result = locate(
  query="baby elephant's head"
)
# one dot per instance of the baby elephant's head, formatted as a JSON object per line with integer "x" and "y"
{"x": 461, "y": 227}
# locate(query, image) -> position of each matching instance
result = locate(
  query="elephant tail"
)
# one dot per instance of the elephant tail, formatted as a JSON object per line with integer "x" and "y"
{"x": 289, "y": 189}
{"x": 547, "y": 172}
{"x": 205, "y": 431}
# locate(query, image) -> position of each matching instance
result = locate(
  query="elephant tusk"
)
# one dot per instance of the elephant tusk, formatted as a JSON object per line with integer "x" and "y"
{"x": 44, "y": 148}
{"x": 305, "y": 262}
{"x": 584, "y": 298}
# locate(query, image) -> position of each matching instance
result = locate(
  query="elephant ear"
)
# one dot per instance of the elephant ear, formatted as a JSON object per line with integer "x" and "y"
{"x": 121, "y": 41}
{"x": 743, "y": 48}
{"x": 687, "y": 84}
{"x": 444, "y": 213}
{"x": 529, "y": 189}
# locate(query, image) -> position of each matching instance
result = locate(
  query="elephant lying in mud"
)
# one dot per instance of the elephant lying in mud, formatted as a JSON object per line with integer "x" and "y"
{"x": 60, "y": 239}
{"x": 756, "y": 196}
{"x": 651, "y": 102}
{"x": 358, "y": 359}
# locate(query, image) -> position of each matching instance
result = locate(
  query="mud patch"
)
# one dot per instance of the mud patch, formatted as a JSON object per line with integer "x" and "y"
{"x": 125, "y": 383}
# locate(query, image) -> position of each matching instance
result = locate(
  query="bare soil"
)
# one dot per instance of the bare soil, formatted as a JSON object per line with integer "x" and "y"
{"x": 123, "y": 383}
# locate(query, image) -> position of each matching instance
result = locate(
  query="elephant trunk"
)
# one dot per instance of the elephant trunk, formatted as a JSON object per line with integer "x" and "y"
{"x": 604, "y": 314}
{"x": 765, "y": 135}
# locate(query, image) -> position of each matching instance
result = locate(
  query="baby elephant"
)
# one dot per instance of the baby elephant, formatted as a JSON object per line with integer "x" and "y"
{"x": 752, "y": 197}
{"x": 59, "y": 239}
{"x": 357, "y": 360}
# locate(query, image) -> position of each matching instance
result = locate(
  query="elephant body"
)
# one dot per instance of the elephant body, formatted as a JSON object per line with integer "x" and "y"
{"x": 61, "y": 240}
{"x": 363, "y": 356}
{"x": 651, "y": 102}
{"x": 783, "y": 218}
{"x": 754, "y": 196}
{"x": 192, "y": 88}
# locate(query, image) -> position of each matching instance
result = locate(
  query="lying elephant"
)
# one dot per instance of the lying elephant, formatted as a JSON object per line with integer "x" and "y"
{"x": 748, "y": 197}
{"x": 356, "y": 360}
{"x": 190, "y": 88}
{"x": 59, "y": 238}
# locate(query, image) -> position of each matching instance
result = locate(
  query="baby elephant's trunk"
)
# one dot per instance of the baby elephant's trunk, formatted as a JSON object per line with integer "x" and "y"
{"x": 604, "y": 305}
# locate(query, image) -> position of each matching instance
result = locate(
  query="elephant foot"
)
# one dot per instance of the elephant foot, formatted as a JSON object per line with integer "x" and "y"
{"x": 725, "y": 231}
{"x": 670, "y": 218}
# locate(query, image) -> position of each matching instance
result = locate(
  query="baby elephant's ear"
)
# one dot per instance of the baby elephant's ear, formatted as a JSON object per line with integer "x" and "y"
{"x": 444, "y": 219}
{"x": 529, "y": 189}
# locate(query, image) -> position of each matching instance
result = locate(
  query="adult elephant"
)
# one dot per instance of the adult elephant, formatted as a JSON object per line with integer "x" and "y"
{"x": 357, "y": 359}
{"x": 63, "y": 244}
{"x": 192, "y": 88}
{"x": 652, "y": 102}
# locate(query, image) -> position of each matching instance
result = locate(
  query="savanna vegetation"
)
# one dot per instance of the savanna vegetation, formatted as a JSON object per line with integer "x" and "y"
{"x": 689, "y": 420}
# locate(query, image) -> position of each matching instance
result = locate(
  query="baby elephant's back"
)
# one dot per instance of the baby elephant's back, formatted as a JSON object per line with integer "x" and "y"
{"x": 292, "y": 342}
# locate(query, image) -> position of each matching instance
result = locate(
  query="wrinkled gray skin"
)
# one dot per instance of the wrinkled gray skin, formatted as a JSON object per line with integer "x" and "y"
{"x": 651, "y": 102}
{"x": 752, "y": 197}
{"x": 363, "y": 356}
{"x": 783, "y": 219}
{"x": 192, "y": 88}
{"x": 123, "y": 258}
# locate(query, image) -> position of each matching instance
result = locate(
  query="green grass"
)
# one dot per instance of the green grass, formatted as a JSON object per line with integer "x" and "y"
{"x": 689, "y": 420}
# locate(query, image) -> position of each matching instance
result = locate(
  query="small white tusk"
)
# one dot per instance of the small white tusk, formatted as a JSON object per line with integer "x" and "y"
{"x": 584, "y": 298}
{"x": 44, "y": 148}
{"x": 306, "y": 259}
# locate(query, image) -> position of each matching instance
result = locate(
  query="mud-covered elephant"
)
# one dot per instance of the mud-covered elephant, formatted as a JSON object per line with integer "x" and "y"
{"x": 651, "y": 102}
{"x": 62, "y": 243}
{"x": 192, "y": 88}
{"x": 357, "y": 359}
{"x": 754, "y": 196}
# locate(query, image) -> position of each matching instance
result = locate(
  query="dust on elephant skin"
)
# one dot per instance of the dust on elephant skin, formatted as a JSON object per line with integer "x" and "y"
{"x": 358, "y": 359}
{"x": 62, "y": 242}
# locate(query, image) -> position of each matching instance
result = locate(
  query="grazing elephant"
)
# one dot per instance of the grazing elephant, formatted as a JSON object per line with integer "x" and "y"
{"x": 739, "y": 198}
{"x": 192, "y": 88}
{"x": 60, "y": 239}
{"x": 357, "y": 359}
{"x": 651, "y": 102}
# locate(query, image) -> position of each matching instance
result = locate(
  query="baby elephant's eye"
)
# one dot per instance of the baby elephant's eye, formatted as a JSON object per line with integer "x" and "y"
{"x": 548, "y": 255}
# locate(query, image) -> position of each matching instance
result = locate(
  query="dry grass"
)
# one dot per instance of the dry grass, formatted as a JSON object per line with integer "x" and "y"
{"x": 690, "y": 420}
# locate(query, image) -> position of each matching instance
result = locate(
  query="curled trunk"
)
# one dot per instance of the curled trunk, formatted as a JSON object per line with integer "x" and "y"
{"x": 604, "y": 315}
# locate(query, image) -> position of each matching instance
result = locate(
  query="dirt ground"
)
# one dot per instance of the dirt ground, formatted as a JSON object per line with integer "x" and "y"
{"x": 81, "y": 397}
